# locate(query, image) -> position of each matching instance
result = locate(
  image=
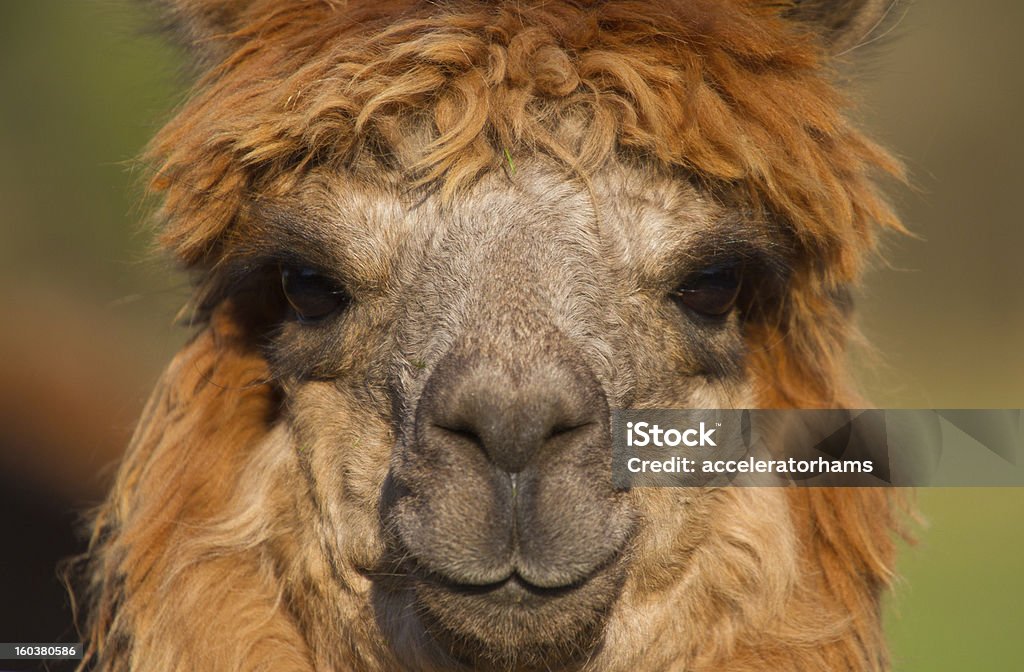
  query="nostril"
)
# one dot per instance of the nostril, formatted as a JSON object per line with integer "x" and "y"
{"x": 460, "y": 432}
{"x": 460, "y": 437}
{"x": 568, "y": 428}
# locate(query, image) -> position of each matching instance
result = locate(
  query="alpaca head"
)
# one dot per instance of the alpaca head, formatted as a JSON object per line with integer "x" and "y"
{"x": 435, "y": 245}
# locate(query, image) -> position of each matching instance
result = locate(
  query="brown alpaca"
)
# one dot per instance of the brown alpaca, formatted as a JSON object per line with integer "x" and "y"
{"x": 435, "y": 242}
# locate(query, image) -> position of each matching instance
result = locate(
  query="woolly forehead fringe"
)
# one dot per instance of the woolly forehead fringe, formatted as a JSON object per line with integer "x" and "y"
{"x": 728, "y": 91}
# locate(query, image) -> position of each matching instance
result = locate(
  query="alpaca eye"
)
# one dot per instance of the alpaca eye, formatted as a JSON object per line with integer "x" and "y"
{"x": 713, "y": 291}
{"x": 311, "y": 295}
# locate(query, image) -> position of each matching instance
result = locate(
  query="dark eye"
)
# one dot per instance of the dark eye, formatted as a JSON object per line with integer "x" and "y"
{"x": 713, "y": 291}
{"x": 310, "y": 294}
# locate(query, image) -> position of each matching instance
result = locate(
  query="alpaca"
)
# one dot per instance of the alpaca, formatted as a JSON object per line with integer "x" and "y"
{"x": 434, "y": 244}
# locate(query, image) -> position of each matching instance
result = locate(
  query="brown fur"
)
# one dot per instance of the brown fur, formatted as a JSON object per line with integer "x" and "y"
{"x": 216, "y": 548}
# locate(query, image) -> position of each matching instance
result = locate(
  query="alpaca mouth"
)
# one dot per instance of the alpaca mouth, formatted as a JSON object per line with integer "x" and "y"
{"x": 513, "y": 591}
{"x": 514, "y": 624}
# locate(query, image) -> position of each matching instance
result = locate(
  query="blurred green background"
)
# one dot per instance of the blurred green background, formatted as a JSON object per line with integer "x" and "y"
{"x": 89, "y": 309}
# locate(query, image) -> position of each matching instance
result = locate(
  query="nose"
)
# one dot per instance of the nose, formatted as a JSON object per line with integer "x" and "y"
{"x": 512, "y": 415}
{"x": 515, "y": 413}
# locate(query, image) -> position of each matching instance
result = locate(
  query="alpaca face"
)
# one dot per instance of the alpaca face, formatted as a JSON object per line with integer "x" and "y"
{"x": 475, "y": 440}
{"x": 435, "y": 245}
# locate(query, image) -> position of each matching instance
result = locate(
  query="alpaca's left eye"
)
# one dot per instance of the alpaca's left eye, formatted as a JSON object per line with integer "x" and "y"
{"x": 713, "y": 291}
{"x": 311, "y": 295}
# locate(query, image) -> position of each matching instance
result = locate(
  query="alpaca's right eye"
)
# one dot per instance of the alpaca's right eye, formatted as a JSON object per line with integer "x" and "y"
{"x": 712, "y": 292}
{"x": 311, "y": 295}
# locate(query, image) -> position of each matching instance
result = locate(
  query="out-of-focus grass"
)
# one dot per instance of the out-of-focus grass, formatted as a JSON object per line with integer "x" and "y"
{"x": 959, "y": 601}
{"x": 946, "y": 315}
{"x": 82, "y": 92}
